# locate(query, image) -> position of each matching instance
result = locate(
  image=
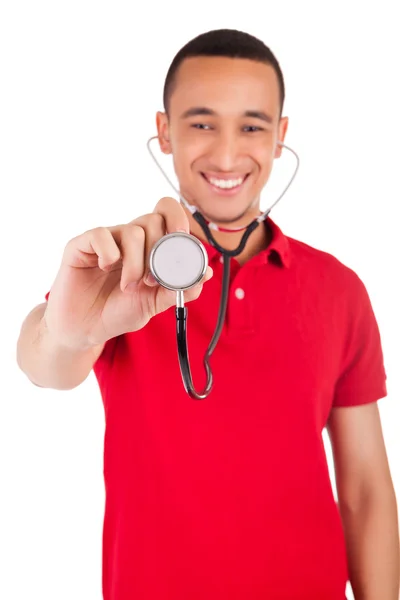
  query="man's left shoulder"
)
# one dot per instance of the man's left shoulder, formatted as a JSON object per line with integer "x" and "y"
{"x": 323, "y": 264}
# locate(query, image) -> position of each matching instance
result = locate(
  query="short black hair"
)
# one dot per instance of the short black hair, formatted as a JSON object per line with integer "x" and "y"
{"x": 229, "y": 43}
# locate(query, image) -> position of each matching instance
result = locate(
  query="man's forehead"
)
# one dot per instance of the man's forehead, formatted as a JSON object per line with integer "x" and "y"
{"x": 216, "y": 82}
{"x": 219, "y": 66}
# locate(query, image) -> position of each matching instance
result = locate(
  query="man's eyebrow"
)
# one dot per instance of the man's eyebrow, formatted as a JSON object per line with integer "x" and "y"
{"x": 203, "y": 110}
{"x": 198, "y": 110}
{"x": 259, "y": 114}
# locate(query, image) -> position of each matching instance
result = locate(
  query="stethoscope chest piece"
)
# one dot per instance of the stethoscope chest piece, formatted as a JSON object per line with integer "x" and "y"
{"x": 178, "y": 261}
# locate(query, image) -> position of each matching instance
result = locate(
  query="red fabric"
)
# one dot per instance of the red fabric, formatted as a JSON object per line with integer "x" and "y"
{"x": 230, "y": 497}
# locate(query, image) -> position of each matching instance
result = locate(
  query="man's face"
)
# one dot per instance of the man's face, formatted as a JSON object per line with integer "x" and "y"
{"x": 222, "y": 130}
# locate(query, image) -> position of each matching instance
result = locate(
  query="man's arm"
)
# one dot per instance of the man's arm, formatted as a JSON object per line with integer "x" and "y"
{"x": 367, "y": 501}
{"x": 45, "y": 362}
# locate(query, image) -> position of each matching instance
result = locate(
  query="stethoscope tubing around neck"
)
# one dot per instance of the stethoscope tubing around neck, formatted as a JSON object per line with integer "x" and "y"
{"x": 181, "y": 310}
{"x": 206, "y": 225}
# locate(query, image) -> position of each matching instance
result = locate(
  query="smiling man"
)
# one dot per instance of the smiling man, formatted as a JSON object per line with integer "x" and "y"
{"x": 313, "y": 360}
{"x": 222, "y": 121}
{"x": 229, "y": 498}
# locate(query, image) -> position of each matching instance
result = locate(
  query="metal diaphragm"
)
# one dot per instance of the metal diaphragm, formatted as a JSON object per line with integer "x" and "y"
{"x": 178, "y": 261}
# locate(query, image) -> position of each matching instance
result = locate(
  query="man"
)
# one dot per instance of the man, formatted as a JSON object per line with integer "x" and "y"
{"x": 229, "y": 497}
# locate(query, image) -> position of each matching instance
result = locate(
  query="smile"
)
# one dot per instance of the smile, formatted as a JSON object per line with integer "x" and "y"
{"x": 225, "y": 184}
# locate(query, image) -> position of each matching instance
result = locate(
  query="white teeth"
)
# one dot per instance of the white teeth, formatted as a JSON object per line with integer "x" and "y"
{"x": 226, "y": 183}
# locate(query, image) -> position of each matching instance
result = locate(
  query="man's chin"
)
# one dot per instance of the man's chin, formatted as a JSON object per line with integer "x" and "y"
{"x": 230, "y": 217}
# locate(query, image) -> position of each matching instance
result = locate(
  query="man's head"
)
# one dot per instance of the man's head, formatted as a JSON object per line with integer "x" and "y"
{"x": 223, "y": 99}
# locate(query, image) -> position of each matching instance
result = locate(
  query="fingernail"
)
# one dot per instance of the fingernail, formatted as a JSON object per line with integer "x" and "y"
{"x": 150, "y": 280}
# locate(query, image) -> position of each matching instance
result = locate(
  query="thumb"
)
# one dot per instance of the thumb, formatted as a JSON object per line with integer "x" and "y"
{"x": 164, "y": 298}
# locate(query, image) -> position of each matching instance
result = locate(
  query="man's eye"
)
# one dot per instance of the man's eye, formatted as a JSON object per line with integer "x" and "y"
{"x": 252, "y": 128}
{"x": 200, "y": 126}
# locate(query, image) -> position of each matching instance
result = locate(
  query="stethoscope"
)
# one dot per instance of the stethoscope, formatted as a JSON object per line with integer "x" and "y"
{"x": 178, "y": 261}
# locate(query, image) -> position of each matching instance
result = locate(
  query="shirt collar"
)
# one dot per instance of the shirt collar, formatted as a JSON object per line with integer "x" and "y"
{"x": 279, "y": 244}
{"x": 278, "y": 248}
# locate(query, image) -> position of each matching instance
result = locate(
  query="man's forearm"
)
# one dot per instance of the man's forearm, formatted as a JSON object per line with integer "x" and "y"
{"x": 372, "y": 539}
{"x": 46, "y": 363}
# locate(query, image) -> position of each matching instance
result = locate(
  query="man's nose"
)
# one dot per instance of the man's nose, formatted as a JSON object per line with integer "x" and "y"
{"x": 224, "y": 151}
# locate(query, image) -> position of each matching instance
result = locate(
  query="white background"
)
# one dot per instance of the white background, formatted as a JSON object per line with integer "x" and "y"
{"x": 80, "y": 85}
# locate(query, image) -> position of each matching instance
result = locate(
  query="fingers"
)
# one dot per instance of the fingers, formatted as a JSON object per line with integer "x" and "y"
{"x": 129, "y": 244}
{"x": 194, "y": 292}
{"x": 104, "y": 246}
{"x": 168, "y": 216}
{"x": 173, "y": 214}
{"x": 155, "y": 229}
{"x": 165, "y": 298}
{"x": 154, "y": 226}
{"x": 96, "y": 247}
{"x": 133, "y": 244}
{"x": 108, "y": 248}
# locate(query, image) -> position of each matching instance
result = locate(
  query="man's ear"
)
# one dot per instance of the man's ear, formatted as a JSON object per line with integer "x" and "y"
{"x": 282, "y": 129}
{"x": 163, "y": 132}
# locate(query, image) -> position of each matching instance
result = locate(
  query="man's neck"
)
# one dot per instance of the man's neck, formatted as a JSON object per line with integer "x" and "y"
{"x": 258, "y": 240}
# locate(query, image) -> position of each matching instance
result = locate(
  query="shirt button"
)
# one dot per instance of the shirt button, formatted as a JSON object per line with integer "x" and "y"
{"x": 239, "y": 293}
{"x": 221, "y": 259}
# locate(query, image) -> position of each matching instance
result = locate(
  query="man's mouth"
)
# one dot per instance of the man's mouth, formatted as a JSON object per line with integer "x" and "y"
{"x": 226, "y": 184}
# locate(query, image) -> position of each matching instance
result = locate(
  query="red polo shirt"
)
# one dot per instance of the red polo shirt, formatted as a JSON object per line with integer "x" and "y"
{"x": 230, "y": 498}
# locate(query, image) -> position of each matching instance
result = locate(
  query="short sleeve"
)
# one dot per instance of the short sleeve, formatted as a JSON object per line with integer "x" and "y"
{"x": 362, "y": 377}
